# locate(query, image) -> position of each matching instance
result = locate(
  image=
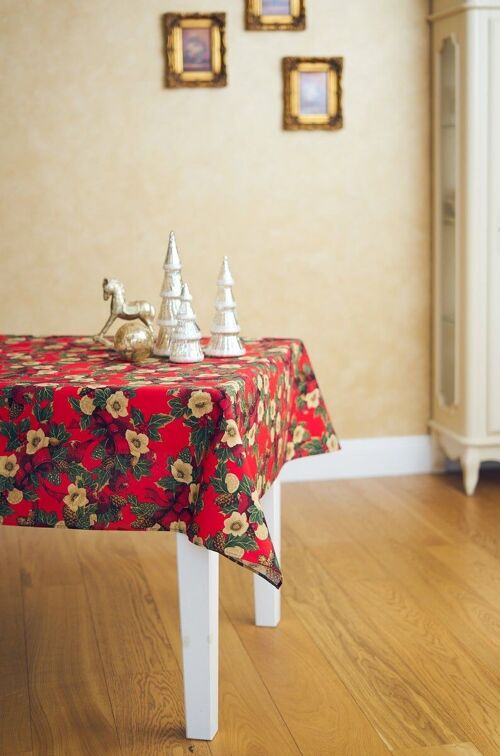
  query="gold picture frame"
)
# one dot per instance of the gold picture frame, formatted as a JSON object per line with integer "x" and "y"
{"x": 286, "y": 15}
{"x": 195, "y": 49}
{"x": 312, "y": 94}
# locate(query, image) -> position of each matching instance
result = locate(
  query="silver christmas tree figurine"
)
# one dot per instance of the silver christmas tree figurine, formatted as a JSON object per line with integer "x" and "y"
{"x": 171, "y": 299}
{"x": 225, "y": 340}
{"x": 185, "y": 342}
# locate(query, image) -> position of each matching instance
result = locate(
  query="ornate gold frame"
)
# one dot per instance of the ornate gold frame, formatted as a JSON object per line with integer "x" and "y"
{"x": 292, "y": 119}
{"x": 175, "y": 76}
{"x": 256, "y": 21}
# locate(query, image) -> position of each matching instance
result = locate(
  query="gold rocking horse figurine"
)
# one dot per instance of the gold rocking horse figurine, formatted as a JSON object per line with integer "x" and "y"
{"x": 120, "y": 308}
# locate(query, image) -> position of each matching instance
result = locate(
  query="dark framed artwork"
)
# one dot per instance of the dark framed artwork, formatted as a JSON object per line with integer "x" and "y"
{"x": 312, "y": 94}
{"x": 195, "y": 49}
{"x": 275, "y": 15}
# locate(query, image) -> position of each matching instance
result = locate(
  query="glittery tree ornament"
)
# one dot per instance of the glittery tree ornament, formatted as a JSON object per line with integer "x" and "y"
{"x": 225, "y": 340}
{"x": 185, "y": 341}
{"x": 171, "y": 299}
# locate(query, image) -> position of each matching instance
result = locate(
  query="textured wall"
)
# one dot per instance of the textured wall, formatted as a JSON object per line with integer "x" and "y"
{"x": 327, "y": 233}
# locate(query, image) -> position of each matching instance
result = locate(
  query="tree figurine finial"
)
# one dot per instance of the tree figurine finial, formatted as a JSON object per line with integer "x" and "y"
{"x": 225, "y": 340}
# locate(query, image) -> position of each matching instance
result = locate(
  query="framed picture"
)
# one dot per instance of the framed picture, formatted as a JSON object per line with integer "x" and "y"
{"x": 195, "y": 49}
{"x": 312, "y": 92}
{"x": 275, "y": 15}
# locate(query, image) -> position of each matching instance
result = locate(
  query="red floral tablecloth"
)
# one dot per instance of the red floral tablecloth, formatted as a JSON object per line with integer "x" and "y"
{"x": 90, "y": 442}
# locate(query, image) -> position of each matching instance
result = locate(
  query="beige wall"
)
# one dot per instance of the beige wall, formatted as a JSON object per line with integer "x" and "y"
{"x": 327, "y": 233}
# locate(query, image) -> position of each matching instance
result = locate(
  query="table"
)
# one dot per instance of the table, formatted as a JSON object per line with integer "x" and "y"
{"x": 90, "y": 442}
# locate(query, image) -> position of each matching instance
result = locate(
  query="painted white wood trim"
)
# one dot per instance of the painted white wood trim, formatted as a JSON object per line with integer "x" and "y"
{"x": 365, "y": 458}
{"x": 198, "y": 577}
{"x": 266, "y": 597}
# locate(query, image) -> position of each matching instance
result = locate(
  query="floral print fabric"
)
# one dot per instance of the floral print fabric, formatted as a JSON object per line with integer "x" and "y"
{"x": 90, "y": 442}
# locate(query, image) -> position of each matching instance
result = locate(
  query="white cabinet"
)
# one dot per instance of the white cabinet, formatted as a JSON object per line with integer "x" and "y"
{"x": 465, "y": 420}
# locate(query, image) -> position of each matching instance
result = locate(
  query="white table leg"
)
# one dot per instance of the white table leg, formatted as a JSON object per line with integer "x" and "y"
{"x": 198, "y": 577}
{"x": 267, "y": 598}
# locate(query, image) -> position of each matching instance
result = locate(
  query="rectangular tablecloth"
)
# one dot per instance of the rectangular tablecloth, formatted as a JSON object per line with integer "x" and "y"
{"x": 90, "y": 442}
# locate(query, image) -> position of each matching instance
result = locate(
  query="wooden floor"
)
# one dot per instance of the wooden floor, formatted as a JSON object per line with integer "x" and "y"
{"x": 390, "y": 638}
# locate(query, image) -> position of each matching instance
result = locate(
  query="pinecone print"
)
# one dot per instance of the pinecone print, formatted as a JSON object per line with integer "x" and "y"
{"x": 29, "y": 520}
{"x": 225, "y": 500}
{"x": 185, "y": 455}
{"x": 108, "y": 463}
{"x": 193, "y": 530}
{"x": 15, "y": 410}
{"x": 219, "y": 542}
{"x": 142, "y": 522}
{"x": 70, "y": 517}
{"x": 117, "y": 501}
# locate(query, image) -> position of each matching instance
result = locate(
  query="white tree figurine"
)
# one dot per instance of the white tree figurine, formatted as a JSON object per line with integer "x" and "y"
{"x": 185, "y": 342}
{"x": 171, "y": 299}
{"x": 225, "y": 340}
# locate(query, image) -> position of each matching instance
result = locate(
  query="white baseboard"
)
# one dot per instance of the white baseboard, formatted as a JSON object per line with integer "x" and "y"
{"x": 365, "y": 458}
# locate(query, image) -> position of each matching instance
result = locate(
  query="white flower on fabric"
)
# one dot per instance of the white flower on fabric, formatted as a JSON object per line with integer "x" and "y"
{"x": 178, "y": 527}
{"x": 182, "y": 471}
{"x": 260, "y": 483}
{"x": 332, "y": 444}
{"x": 256, "y": 500}
{"x": 198, "y": 541}
{"x": 260, "y": 411}
{"x": 298, "y": 434}
{"x": 117, "y": 405}
{"x": 236, "y": 524}
{"x": 137, "y": 443}
{"x": 232, "y": 482}
{"x": 234, "y": 551}
{"x": 266, "y": 384}
{"x": 290, "y": 451}
{"x": 312, "y": 399}
{"x": 277, "y": 423}
{"x": 200, "y": 403}
{"x": 76, "y": 497}
{"x": 251, "y": 435}
{"x": 15, "y": 496}
{"x": 272, "y": 409}
{"x": 280, "y": 446}
{"x": 194, "y": 492}
{"x": 261, "y": 532}
{"x": 9, "y": 466}
{"x": 87, "y": 405}
{"x": 231, "y": 436}
{"x": 36, "y": 440}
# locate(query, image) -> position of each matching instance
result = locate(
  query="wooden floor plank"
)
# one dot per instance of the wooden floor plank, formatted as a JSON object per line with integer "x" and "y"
{"x": 473, "y": 620}
{"x": 455, "y": 749}
{"x": 143, "y": 678}
{"x": 68, "y": 692}
{"x": 64, "y": 667}
{"x": 440, "y": 499}
{"x": 15, "y": 721}
{"x": 390, "y": 693}
{"x": 249, "y": 721}
{"x": 317, "y": 708}
{"x": 452, "y": 678}
{"x": 474, "y": 566}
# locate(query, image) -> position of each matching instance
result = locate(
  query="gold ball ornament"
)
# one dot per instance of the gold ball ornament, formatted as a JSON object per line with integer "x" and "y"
{"x": 134, "y": 342}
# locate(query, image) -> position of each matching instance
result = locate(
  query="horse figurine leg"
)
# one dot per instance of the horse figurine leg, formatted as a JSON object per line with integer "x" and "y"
{"x": 100, "y": 336}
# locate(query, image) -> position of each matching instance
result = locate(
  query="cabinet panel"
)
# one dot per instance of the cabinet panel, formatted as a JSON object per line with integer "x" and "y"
{"x": 494, "y": 228}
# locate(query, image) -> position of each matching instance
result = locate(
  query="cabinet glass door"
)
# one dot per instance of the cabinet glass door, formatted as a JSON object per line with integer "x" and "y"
{"x": 447, "y": 223}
